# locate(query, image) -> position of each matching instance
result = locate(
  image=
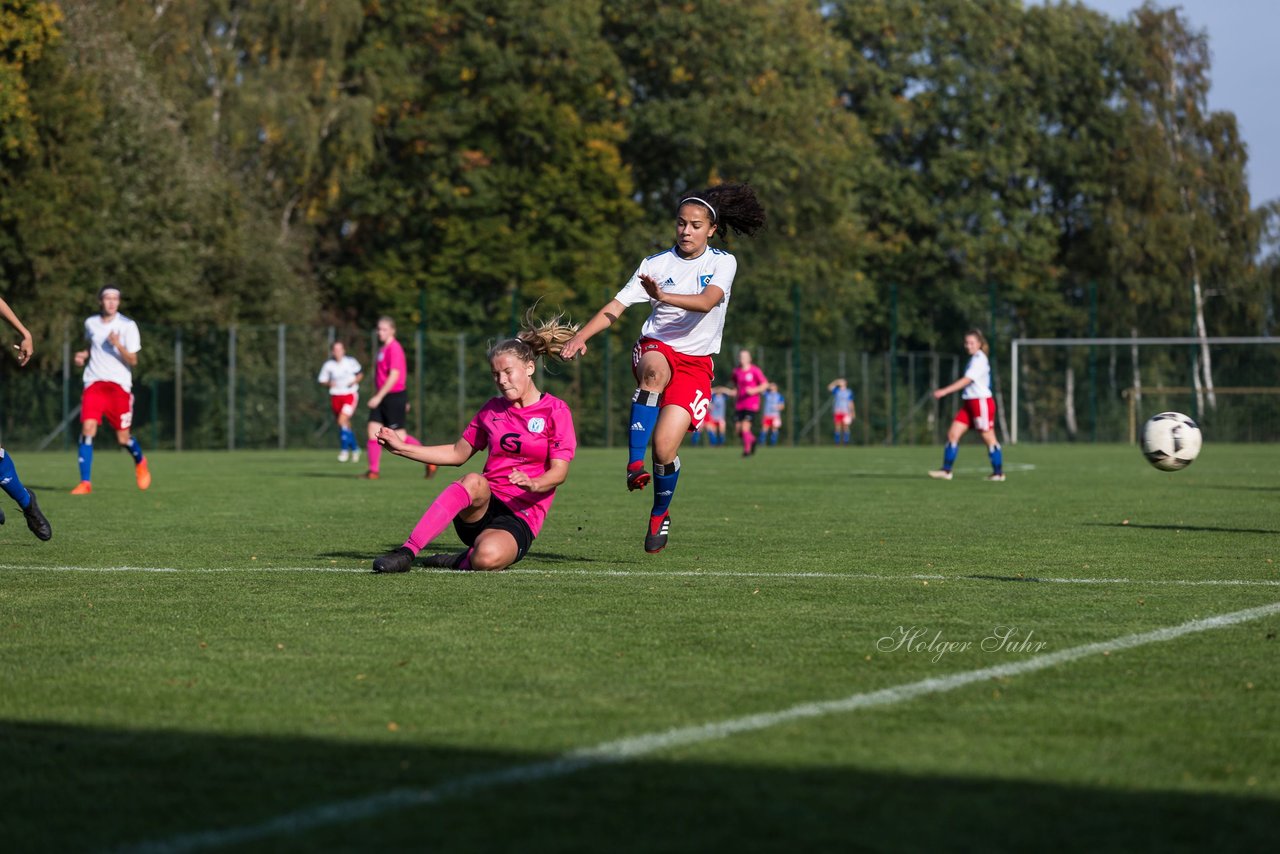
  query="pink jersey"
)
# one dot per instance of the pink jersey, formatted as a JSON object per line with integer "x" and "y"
{"x": 746, "y": 378}
{"x": 390, "y": 357}
{"x": 527, "y": 438}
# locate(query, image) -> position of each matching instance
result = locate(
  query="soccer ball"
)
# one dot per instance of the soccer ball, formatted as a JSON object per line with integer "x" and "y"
{"x": 1170, "y": 441}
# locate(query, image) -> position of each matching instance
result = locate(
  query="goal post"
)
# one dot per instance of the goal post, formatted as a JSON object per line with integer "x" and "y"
{"x": 1044, "y": 387}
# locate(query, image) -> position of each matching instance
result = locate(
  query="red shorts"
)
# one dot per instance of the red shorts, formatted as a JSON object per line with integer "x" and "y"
{"x": 690, "y": 386}
{"x": 978, "y": 413}
{"x": 107, "y": 402}
{"x": 772, "y": 422}
{"x": 342, "y": 404}
{"x": 841, "y": 419}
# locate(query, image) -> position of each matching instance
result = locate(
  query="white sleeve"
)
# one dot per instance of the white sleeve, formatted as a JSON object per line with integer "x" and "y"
{"x": 633, "y": 292}
{"x": 976, "y": 370}
{"x": 355, "y": 368}
{"x": 324, "y": 373}
{"x": 132, "y": 338}
{"x": 726, "y": 269}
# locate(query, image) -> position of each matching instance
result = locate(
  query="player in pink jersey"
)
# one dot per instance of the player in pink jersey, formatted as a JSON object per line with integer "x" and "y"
{"x": 750, "y": 383}
{"x": 687, "y": 288}
{"x": 530, "y": 440}
{"x": 390, "y": 402}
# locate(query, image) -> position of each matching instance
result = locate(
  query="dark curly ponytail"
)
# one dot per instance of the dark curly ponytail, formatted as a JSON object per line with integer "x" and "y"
{"x": 730, "y": 205}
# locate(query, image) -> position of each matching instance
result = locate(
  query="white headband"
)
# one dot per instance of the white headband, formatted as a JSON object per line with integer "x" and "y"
{"x": 701, "y": 202}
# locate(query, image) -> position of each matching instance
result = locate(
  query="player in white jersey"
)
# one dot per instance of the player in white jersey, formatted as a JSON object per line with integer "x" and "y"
{"x": 687, "y": 288}
{"x": 108, "y": 365}
{"x": 9, "y": 480}
{"x": 978, "y": 409}
{"x": 342, "y": 374}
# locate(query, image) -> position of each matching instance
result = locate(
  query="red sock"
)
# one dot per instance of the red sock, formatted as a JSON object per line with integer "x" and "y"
{"x": 375, "y": 454}
{"x": 448, "y": 504}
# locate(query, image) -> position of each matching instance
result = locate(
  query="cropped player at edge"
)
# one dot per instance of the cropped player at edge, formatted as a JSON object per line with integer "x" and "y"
{"x": 978, "y": 408}
{"x": 9, "y": 480}
{"x": 114, "y": 343}
{"x": 530, "y": 441}
{"x": 687, "y": 288}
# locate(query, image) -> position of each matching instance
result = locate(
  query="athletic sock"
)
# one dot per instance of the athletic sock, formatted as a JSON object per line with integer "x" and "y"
{"x": 997, "y": 459}
{"x": 448, "y": 504}
{"x": 664, "y": 485}
{"x": 134, "y": 449}
{"x": 86, "y": 457}
{"x": 697, "y": 435}
{"x": 10, "y": 483}
{"x": 644, "y": 414}
{"x": 410, "y": 440}
{"x": 949, "y": 456}
{"x": 375, "y": 454}
{"x": 748, "y": 440}
{"x": 346, "y": 439}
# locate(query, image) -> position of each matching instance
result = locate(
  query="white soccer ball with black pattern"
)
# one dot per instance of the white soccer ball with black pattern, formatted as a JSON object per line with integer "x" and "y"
{"x": 1171, "y": 441}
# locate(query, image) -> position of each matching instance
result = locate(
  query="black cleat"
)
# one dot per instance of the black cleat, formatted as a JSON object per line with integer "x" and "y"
{"x": 36, "y": 521}
{"x": 449, "y": 560}
{"x": 397, "y": 561}
{"x": 656, "y": 538}
{"x": 637, "y": 478}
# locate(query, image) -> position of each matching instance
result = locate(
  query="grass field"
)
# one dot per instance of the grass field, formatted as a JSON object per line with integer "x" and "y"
{"x": 210, "y": 664}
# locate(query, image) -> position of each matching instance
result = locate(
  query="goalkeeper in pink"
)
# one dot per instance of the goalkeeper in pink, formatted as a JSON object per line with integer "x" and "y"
{"x": 530, "y": 440}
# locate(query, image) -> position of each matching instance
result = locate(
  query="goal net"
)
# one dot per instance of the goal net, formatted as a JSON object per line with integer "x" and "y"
{"x": 1102, "y": 389}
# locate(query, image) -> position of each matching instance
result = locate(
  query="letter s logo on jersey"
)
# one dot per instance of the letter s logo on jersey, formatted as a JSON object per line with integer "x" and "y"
{"x": 510, "y": 442}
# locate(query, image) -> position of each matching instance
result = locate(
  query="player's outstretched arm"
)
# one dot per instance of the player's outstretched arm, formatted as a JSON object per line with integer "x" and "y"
{"x": 604, "y": 318}
{"x": 951, "y": 389}
{"x": 440, "y": 455}
{"x": 26, "y": 346}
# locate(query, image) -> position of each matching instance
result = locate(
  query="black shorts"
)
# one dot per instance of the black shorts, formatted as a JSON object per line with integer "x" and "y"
{"x": 500, "y": 516}
{"x": 391, "y": 412}
{"x": 746, "y": 415}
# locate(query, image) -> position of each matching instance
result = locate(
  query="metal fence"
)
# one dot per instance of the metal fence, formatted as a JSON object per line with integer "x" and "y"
{"x": 255, "y": 387}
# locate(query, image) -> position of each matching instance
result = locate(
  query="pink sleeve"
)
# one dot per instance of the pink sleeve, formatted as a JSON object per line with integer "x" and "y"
{"x": 563, "y": 441}
{"x": 475, "y": 433}
{"x": 398, "y": 361}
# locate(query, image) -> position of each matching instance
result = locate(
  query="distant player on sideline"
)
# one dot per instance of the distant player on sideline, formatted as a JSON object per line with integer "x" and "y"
{"x": 750, "y": 382}
{"x": 774, "y": 403}
{"x": 9, "y": 480}
{"x": 843, "y": 411}
{"x": 390, "y": 402}
{"x": 342, "y": 374}
{"x": 713, "y": 426}
{"x": 687, "y": 288}
{"x": 530, "y": 441}
{"x": 978, "y": 409}
{"x": 108, "y": 365}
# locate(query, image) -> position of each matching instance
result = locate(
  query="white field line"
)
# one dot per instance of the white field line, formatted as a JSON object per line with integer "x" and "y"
{"x": 621, "y": 750}
{"x": 676, "y": 573}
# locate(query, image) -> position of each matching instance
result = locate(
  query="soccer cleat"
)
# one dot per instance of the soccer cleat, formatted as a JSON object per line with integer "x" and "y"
{"x": 941, "y": 474}
{"x": 998, "y": 477}
{"x": 370, "y": 475}
{"x": 449, "y": 560}
{"x": 430, "y": 471}
{"x": 143, "y": 474}
{"x": 36, "y": 521}
{"x": 344, "y": 455}
{"x": 656, "y": 538}
{"x": 355, "y": 456}
{"x": 84, "y": 487}
{"x": 637, "y": 477}
{"x": 397, "y": 561}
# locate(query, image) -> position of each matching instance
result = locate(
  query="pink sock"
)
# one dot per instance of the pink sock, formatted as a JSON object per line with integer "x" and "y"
{"x": 448, "y": 504}
{"x": 748, "y": 439}
{"x": 409, "y": 440}
{"x": 375, "y": 454}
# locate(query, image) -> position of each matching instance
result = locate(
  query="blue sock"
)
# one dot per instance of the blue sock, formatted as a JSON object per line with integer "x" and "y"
{"x": 346, "y": 438}
{"x": 697, "y": 435}
{"x": 644, "y": 414}
{"x": 134, "y": 449}
{"x": 664, "y": 485}
{"x": 949, "y": 456}
{"x": 86, "y": 457}
{"x": 997, "y": 459}
{"x": 9, "y": 481}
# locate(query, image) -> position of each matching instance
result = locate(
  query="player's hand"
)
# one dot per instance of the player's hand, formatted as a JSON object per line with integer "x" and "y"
{"x": 388, "y": 439}
{"x": 522, "y": 480}
{"x": 82, "y": 356}
{"x": 114, "y": 340}
{"x": 24, "y": 350}
{"x": 651, "y": 287}
{"x": 374, "y": 401}
{"x": 573, "y": 348}
{"x": 939, "y": 394}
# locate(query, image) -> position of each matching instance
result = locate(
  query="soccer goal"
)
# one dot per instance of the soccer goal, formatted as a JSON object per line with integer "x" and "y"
{"x": 1101, "y": 389}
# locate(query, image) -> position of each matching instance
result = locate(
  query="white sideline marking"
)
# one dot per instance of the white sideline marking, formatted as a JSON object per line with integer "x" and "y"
{"x": 341, "y": 812}
{"x": 679, "y": 573}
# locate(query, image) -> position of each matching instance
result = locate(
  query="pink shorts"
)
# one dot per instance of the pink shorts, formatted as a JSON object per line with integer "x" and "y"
{"x": 690, "y": 386}
{"x": 107, "y": 402}
{"x": 978, "y": 413}
{"x": 342, "y": 404}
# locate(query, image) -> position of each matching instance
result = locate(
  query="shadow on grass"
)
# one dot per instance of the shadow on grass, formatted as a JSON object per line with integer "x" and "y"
{"x": 78, "y": 788}
{"x": 531, "y": 561}
{"x": 1207, "y": 528}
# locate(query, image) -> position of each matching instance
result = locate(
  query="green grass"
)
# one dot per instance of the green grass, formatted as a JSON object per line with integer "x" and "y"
{"x": 250, "y": 682}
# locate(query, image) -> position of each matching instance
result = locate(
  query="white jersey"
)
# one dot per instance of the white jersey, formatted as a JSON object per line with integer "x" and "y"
{"x": 342, "y": 374}
{"x": 105, "y": 362}
{"x": 978, "y": 370}
{"x": 689, "y": 332}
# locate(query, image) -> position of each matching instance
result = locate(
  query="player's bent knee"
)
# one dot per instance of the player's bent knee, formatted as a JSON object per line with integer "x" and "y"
{"x": 476, "y": 486}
